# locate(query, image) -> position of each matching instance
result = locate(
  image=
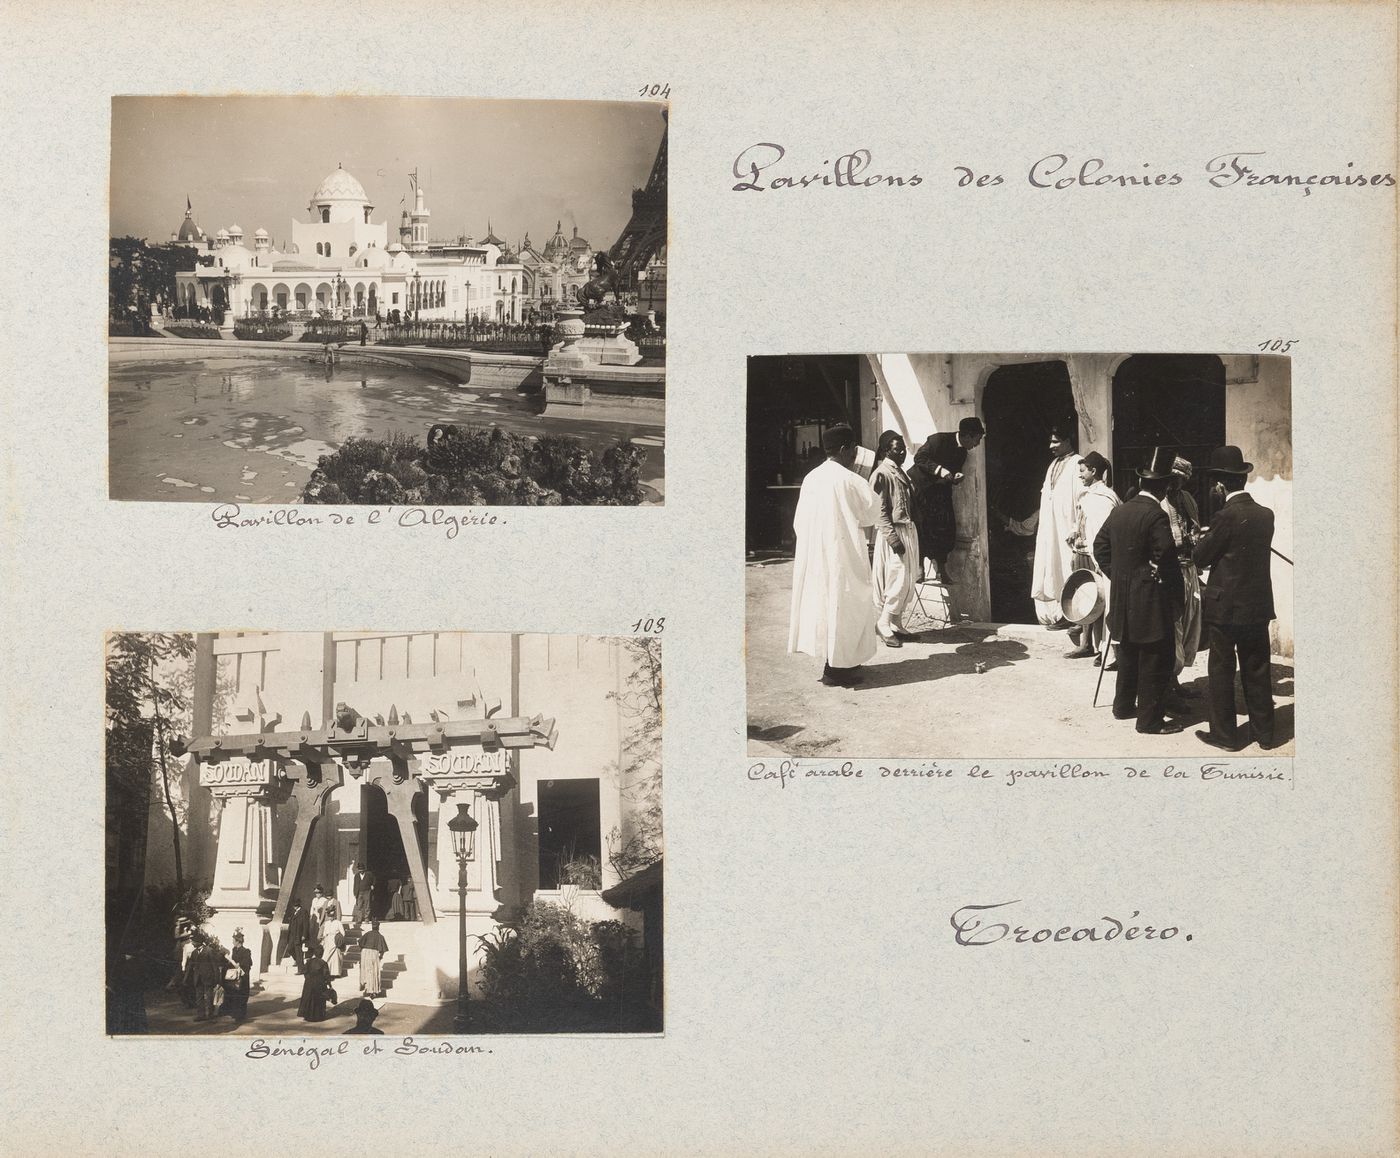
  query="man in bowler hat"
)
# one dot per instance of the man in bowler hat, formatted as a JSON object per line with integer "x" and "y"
{"x": 1237, "y": 604}
{"x": 1134, "y": 547}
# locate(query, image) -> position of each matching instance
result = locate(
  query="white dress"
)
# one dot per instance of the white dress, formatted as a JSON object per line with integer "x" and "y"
{"x": 832, "y": 614}
{"x": 1059, "y": 520}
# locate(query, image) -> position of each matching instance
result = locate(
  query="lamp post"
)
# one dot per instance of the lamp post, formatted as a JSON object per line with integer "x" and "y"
{"x": 463, "y": 829}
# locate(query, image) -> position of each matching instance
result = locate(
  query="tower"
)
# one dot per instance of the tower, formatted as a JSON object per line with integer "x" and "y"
{"x": 420, "y": 217}
{"x": 645, "y": 234}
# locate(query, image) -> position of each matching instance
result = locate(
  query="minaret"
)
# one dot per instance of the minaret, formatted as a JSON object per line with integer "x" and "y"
{"x": 420, "y": 217}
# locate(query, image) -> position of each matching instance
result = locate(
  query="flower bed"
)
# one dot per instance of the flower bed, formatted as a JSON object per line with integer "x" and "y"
{"x": 465, "y": 466}
{"x": 193, "y": 331}
{"x": 260, "y": 330}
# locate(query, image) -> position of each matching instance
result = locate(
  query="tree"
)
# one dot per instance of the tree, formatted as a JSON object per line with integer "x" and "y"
{"x": 638, "y": 842}
{"x": 143, "y": 699}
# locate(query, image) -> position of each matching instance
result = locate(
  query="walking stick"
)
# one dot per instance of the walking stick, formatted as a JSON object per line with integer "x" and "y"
{"x": 1103, "y": 660}
{"x": 1282, "y": 556}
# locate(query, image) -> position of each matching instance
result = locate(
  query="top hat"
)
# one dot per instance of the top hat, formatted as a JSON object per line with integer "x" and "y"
{"x": 1228, "y": 460}
{"x": 1160, "y": 465}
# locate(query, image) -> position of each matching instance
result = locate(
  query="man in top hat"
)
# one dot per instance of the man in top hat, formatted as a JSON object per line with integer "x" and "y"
{"x": 1135, "y": 549}
{"x": 832, "y": 600}
{"x": 1237, "y": 604}
{"x": 1185, "y": 520}
{"x": 938, "y": 468}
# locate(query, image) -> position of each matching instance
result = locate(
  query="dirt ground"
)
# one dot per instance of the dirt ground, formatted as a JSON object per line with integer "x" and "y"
{"x": 927, "y": 699}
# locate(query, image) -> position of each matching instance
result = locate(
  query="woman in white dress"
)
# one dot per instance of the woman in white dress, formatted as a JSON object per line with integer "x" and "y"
{"x": 895, "y": 565}
{"x": 333, "y": 940}
{"x": 317, "y": 912}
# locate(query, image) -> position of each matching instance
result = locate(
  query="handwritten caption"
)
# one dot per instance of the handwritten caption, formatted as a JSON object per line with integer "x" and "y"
{"x": 785, "y": 774}
{"x": 314, "y": 1055}
{"x": 765, "y": 167}
{"x": 969, "y": 929}
{"x": 439, "y": 520}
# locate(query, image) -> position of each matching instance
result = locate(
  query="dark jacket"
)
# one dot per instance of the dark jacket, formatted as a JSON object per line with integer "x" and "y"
{"x": 298, "y": 927}
{"x": 1236, "y": 549}
{"x": 1143, "y": 601}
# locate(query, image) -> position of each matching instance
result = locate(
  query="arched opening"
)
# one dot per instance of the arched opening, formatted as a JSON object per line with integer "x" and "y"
{"x": 1171, "y": 400}
{"x": 325, "y": 214}
{"x": 1019, "y": 404}
{"x": 302, "y": 296}
{"x": 500, "y": 311}
{"x": 382, "y": 848}
{"x": 373, "y": 298}
{"x": 320, "y": 249}
{"x": 328, "y": 249}
{"x": 259, "y": 297}
{"x": 323, "y": 295}
{"x": 352, "y": 250}
{"x": 359, "y": 299}
{"x": 280, "y": 295}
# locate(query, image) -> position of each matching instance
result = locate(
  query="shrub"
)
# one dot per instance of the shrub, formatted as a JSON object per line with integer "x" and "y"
{"x": 552, "y": 970}
{"x": 193, "y": 330}
{"x": 261, "y": 330}
{"x": 474, "y": 466}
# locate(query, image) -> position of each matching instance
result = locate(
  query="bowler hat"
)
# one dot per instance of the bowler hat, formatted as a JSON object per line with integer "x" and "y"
{"x": 1160, "y": 464}
{"x": 1228, "y": 460}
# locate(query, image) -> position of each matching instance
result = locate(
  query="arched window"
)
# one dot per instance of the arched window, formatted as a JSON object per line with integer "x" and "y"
{"x": 319, "y": 248}
{"x": 366, "y": 214}
{"x": 325, "y": 214}
{"x": 328, "y": 249}
{"x": 352, "y": 251}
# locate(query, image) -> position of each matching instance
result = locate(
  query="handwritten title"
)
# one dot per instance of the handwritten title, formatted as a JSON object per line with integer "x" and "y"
{"x": 765, "y": 167}
{"x": 231, "y": 517}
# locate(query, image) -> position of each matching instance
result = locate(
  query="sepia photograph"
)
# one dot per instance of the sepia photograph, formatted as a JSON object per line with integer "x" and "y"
{"x": 1008, "y": 554}
{"x": 434, "y": 301}
{"x": 383, "y": 832}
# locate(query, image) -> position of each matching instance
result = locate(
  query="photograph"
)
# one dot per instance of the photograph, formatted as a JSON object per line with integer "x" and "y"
{"x": 429, "y": 832}
{"x": 1012, "y": 554}
{"x": 435, "y": 301}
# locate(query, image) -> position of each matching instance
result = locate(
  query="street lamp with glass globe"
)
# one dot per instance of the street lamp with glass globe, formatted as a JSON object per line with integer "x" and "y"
{"x": 463, "y": 829}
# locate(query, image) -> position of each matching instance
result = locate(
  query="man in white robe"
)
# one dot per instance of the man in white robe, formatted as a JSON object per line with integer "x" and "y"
{"x": 1055, "y": 526}
{"x": 832, "y": 601}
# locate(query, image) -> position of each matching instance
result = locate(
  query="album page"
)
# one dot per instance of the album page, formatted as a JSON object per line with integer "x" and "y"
{"x": 726, "y": 579}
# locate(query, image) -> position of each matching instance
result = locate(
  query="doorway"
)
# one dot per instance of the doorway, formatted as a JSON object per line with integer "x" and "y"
{"x": 1019, "y": 404}
{"x": 381, "y": 845}
{"x": 570, "y": 833}
{"x": 1170, "y": 400}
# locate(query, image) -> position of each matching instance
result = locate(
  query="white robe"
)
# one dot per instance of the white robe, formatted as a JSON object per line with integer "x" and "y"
{"x": 832, "y": 601}
{"x": 1059, "y": 521}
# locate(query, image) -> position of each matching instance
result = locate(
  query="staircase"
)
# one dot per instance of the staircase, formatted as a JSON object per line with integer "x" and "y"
{"x": 391, "y": 968}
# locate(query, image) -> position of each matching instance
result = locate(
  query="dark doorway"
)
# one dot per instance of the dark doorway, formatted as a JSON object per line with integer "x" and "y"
{"x": 1019, "y": 404}
{"x": 381, "y": 845}
{"x": 791, "y": 401}
{"x": 570, "y": 829}
{"x": 1171, "y": 400}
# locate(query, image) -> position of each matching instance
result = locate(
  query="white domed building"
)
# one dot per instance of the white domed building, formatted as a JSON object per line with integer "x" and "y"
{"x": 340, "y": 263}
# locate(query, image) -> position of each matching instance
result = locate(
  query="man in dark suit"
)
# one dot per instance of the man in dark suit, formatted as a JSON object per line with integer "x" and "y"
{"x": 364, "y": 893}
{"x": 298, "y": 932}
{"x": 1135, "y": 549}
{"x": 1237, "y": 604}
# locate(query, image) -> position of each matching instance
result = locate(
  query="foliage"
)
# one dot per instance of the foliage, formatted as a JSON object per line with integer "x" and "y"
{"x": 142, "y": 699}
{"x": 139, "y": 274}
{"x": 261, "y": 330}
{"x": 638, "y": 843}
{"x": 474, "y": 466}
{"x": 192, "y": 330}
{"x": 584, "y": 872}
{"x": 609, "y": 314}
{"x": 552, "y": 970}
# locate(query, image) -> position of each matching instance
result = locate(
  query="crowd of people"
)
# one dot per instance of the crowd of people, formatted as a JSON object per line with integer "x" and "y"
{"x": 1143, "y": 555}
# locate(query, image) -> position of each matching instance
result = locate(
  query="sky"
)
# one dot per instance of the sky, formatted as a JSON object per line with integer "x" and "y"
{"x": 255, "y": 162}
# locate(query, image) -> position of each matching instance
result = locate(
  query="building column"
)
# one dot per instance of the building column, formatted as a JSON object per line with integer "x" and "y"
{"x": 483, "y": 868}
{"x": 246, "y": 876}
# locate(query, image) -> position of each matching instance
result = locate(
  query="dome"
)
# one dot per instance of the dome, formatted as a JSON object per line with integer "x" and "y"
{"x": 260, "y": 233}
{"x": 394, "y": 248}
{"x": 235, "y": 230}
{"x": 189, "y": 231}
{"x": 340, "y": 186}
{"x": 222, "y": 235}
